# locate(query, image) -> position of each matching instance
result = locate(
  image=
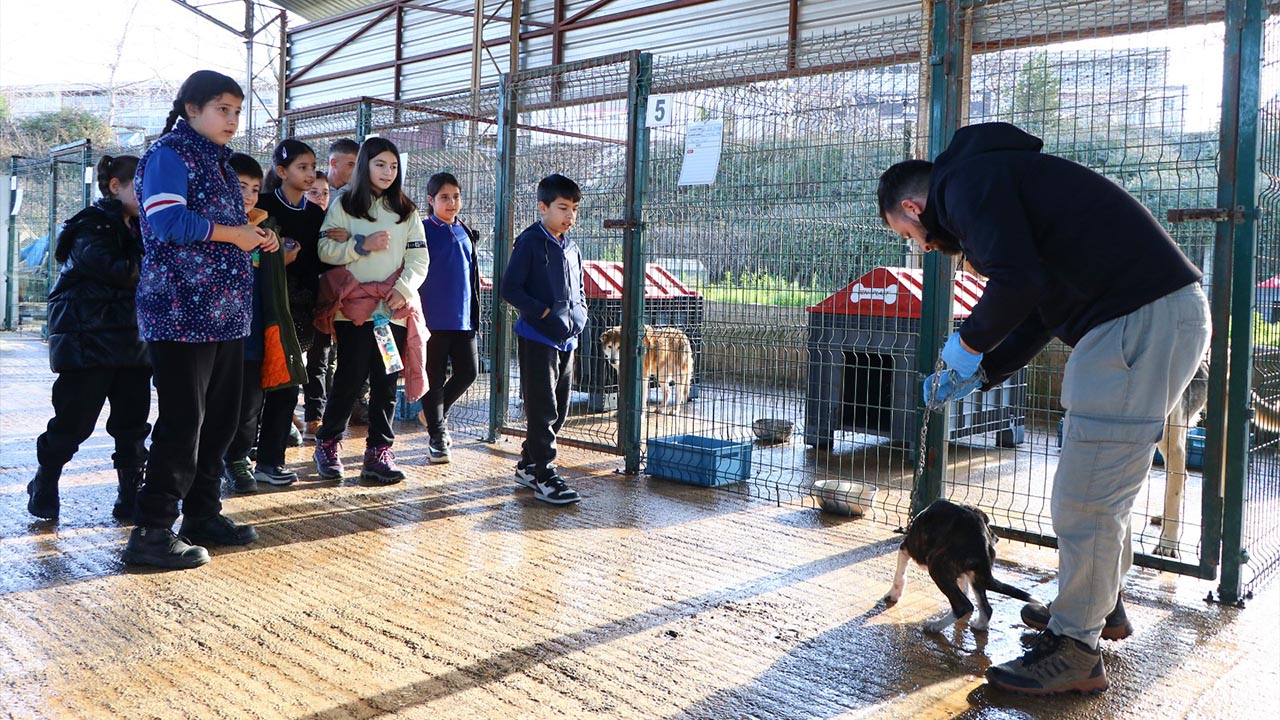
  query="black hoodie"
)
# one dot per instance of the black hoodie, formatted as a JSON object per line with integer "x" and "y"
{"x": 1064, "y": 248}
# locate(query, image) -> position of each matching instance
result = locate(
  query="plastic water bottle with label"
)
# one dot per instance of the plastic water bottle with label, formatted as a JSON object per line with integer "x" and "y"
{"x": 386, "y": 343}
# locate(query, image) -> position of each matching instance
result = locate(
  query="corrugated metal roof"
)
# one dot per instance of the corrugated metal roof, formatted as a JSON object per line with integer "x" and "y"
{"x": 716, "y": 24}
{"x": 314, "y": 10}
{"x": 602, "y": 280}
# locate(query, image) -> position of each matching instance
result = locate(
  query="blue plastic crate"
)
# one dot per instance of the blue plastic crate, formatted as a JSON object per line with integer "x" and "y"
{"x": 1195, "y": 448}
{"x": 406, "y": 411}
{"x": 697, "y": 460}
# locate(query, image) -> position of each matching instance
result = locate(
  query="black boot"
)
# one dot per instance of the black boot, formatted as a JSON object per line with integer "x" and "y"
{"x": 42, "y": 493}
{"x": 129, "y": 479}
{"x": 161, "y": 548}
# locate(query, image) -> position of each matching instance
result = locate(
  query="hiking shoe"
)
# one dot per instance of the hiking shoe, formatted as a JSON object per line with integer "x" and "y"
{"x": 550, "y": 488}
{"x": 380, "y": 466}
{"x": 444, "y": 433}
{"x": 274, "y": 475}
{"x": 160, "y": 547}
{"x": 309, "y": 432}
{"x": 525, "y": 474}
{"x": 438, "y": 451}
{"x": 295, "y": 436}
{"x": 328, "y": 464}
{"x": 240, "y": 476}
{"x": 217, "y": 530}
{"x": 42, "y": 495}
{"x": 1118, "y": 627}
{"x": 1054, "y": 664}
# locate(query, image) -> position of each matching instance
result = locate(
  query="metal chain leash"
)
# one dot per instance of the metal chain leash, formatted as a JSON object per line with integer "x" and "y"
{"x": 934, "y": 386}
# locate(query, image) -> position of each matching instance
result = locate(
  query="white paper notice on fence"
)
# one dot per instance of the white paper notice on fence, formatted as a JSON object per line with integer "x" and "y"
{"x": 702, "y": 142}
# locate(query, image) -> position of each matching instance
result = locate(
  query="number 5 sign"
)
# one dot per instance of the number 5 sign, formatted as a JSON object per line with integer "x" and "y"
{"x": 659, "y": 113}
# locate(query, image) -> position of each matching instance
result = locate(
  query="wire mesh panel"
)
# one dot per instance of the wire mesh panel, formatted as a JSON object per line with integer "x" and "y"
{"x": 1142, "y": 108}
{"x": 572, "y": 120}
{"x": 30, "y": 271}
{"x": 1262, "y": 483}
{"x": 454, "y": 133}
{"x": 786, "y": 221}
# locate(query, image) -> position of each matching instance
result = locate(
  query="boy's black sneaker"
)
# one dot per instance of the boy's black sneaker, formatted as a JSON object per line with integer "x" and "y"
{"x": 550, "y": 488}
{"x": 274, "y": 475}
{"x": 217, "y": 530}
{"x": 438, "y": 451}
{"x": 160, "y": 547}
{"x": 525, "y": 474}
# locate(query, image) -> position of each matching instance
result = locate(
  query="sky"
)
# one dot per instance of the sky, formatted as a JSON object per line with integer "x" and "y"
{"x": 73, "y": 41}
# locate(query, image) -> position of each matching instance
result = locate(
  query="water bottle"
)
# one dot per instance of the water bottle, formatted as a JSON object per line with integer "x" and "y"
{"x": 386, "y": 343}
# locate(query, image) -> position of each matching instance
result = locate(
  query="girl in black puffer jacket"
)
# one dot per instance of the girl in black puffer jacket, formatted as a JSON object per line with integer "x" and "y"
{"x": 93, "y": 342}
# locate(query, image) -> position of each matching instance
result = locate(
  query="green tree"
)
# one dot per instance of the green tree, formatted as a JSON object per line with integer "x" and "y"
{"x": 63, "y": 126}
{"x": 1036, "y": 103}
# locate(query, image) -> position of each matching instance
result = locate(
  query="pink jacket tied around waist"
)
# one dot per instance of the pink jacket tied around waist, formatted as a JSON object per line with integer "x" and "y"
{"x": 357, "y": 301}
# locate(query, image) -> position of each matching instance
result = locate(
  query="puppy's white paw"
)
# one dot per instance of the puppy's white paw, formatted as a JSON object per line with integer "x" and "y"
{"x": 892, "y": 597}
{"x": 979, "y": 623}
{"x": 937, "y": 626}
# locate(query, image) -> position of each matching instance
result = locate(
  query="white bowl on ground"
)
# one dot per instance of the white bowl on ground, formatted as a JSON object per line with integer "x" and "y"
{"x": 844, "y": 497}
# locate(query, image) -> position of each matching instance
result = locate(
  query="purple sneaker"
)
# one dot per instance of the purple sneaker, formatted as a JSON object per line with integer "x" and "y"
{"x": 380, "y": 466}
{"x": 328, "y": 464}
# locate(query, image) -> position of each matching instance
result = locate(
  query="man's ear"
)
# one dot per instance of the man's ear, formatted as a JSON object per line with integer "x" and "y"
{"x": 912, "y": 208}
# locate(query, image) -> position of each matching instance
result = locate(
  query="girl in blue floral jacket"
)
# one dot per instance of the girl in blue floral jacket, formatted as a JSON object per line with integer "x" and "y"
{"x": 194, "y": 308}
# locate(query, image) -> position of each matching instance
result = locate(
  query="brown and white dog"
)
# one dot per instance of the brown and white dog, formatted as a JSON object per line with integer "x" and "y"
{"x": 667, "y": 356}
{"x": 957, "y": 546}
{"x": 1173, "y": 446}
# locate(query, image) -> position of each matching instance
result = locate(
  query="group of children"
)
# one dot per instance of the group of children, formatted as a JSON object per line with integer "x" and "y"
{"x": 229, "y": 291}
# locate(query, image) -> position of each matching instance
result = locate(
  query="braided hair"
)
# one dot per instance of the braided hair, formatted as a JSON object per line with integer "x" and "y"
{"x": 199, "y": 88}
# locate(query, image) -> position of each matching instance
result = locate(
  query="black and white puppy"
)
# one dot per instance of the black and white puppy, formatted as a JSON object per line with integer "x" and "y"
{"x": 957, "y": 546}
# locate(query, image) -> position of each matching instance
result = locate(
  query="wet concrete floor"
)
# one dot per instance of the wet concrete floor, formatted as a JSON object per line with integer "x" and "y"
{"x": 457, "y": 595}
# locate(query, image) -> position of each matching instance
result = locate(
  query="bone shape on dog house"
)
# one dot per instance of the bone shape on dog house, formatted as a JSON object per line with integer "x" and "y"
{"x": 897, "y": 292}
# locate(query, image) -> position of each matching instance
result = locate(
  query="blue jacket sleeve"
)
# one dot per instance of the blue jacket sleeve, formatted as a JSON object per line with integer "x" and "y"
{"x": 514, "y": 279}
{"x": 164, "y": 201}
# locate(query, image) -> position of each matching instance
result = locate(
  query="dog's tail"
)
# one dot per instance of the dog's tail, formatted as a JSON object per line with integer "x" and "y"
{"x": 1011, "y": 591}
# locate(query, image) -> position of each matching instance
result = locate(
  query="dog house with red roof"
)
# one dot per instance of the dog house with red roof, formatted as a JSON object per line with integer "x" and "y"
{"x": 667, "y": 302}
{"x": 863, "y": 377}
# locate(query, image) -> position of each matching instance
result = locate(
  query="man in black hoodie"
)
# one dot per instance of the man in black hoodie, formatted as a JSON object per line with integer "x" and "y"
{"x": 1070, "y": 254}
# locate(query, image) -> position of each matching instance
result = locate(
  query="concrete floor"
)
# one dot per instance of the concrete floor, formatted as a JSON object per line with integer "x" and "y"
{"x": 455, "y": 594}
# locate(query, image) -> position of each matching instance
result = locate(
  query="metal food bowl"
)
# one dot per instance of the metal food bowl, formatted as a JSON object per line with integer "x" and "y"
{"x": 772, "y": 430}
{"x": 844, "y": 497}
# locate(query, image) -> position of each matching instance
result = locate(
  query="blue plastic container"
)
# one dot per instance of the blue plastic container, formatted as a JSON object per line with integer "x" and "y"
{"x": 406, "y": 411}
{"x": 1195, "y": 448}
{"x": 697, "y": 460}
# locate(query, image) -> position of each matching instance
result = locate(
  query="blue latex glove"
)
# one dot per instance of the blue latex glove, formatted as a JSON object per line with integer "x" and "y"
{"x": 961, "y": 378}
{"x": 944, "y": 386}
{"x": 957, "y": 358}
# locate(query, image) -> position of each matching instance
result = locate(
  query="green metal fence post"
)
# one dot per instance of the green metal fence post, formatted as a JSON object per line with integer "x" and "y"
{"x": 87, "y": 171}
{"x": 503, "y": 236}
{"x": 53, "y": 219}
{"x": 11, "y": 271}
{"x": 1238, "y": 192}
{"x": 364, "y": 119}
{"x": 631, "y": 384}
{"x": 936, "y": 314}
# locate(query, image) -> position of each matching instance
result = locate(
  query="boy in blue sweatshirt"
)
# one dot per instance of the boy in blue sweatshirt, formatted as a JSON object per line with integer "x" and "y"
{"x": 544, "y": 282}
